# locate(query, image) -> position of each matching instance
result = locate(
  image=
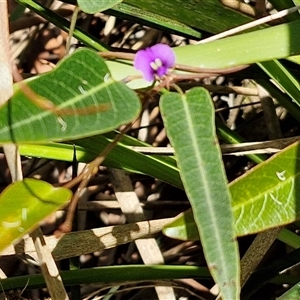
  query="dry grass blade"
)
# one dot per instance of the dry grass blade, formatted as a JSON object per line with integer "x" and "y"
{"x": 6, "y": 88}
{"x": 255, "y": 23}
{"x": 81, "y": 242}
{"x": 130, "y": 206}
{"x": 232, "y": 149}
{"x": 49, "y": 267}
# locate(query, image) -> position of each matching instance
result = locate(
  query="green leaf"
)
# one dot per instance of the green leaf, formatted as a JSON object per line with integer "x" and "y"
{"x": 189, "y": 121}
{"x": 183, "y": 227}
{"x": 104, "y": 274}
{"x": 267, "y": 196}
{"x": 122, "y": 156}
{"x": 87, "y": 99}
{"x": 154, "y": 20}
{"x": 24, "y": 204}
{"x": 93, "y": 6}
{"x": 211, "y": 16}
{"x": 272, "y": 194}
{"x": 245, "y": 48}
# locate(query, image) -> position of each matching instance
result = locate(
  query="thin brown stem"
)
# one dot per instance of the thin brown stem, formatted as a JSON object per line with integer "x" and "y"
{"x": 46, "y": 104}
{"x": 72, "y": 27}
{"x": 216, "y": 71}
{"x": 186, "y": 68}
{"x": 85, "y": 176}
{"x": 117, "y": 55}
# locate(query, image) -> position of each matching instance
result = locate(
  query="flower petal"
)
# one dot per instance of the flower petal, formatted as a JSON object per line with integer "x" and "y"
{"x": 155, "y": 60}
{"x": 164, "y": 53}
{"x": 142, "y": 61}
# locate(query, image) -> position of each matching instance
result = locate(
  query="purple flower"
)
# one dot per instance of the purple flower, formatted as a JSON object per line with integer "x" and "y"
{"x": 155, "y": 60}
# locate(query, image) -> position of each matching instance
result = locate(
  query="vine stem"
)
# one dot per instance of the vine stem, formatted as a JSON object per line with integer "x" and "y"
{"x": 180, "y": 67}
{"x": 83, "y": 179}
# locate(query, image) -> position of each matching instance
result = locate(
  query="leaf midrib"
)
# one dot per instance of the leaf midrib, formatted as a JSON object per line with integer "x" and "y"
{"x": 206, "y": 185}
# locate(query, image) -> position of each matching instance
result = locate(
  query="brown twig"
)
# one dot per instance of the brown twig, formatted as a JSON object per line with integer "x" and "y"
{"x": 85, "y": 176}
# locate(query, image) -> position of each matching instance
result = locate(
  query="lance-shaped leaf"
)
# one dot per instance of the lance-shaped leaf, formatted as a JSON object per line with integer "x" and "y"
{"x": 24, "y": 204}
{"x": 189, "y": 121}
{"x": 84, "y": 101}
{"x": 267, "y": 196}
